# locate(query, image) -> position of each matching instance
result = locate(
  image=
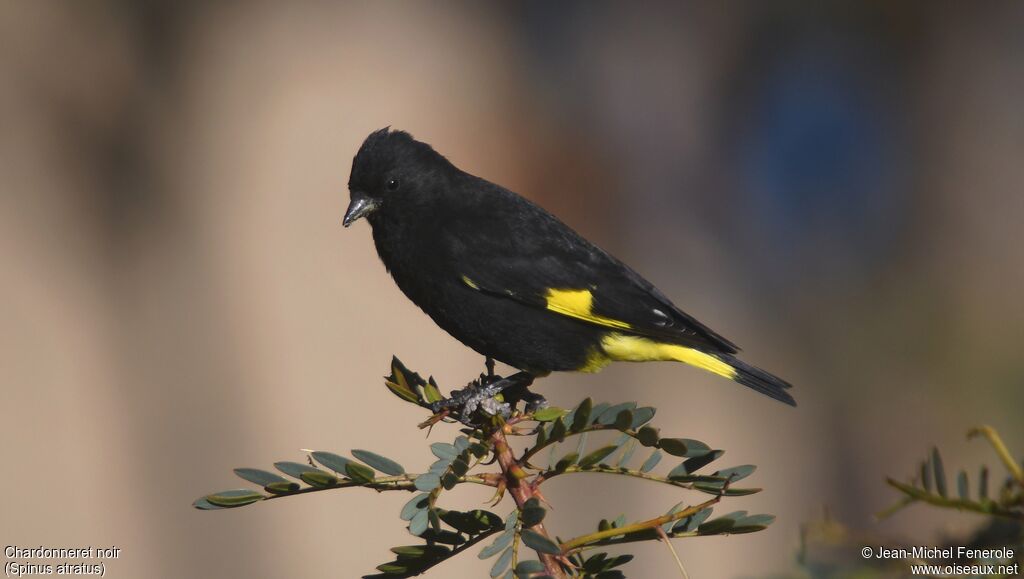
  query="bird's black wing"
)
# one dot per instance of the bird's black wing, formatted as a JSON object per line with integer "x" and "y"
{"x": 539, "y": 261}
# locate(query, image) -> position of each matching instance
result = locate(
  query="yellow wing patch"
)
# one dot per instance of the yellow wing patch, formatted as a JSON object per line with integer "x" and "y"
{"x": 579, "y": 304}
{"x": 470, "y": 283}
{"x": 625, "y": 348}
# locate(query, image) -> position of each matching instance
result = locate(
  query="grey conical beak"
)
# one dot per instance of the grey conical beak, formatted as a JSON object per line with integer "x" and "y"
{"x": 360, "y": 206}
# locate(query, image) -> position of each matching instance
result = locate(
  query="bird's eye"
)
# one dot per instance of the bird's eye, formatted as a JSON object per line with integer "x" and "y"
{"x": 392, "y": 185}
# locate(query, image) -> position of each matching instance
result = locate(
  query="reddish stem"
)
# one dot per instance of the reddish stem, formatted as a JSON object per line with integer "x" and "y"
{"x": 521, "y": 492}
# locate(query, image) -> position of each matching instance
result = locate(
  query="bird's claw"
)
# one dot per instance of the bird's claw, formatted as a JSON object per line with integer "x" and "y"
{"x": 483, "y": 394}
{"x": 533, "y": 402}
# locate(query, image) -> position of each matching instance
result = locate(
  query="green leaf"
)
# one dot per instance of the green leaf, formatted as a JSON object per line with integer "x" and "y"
{"x": 330, "y": 460}
{"x": 444, "y": 451}
{"x": 472, "y": 522}
{"x": 961, "y": 485}
{"x": 598, "y": 565}
{"x": 319, "y": 479}
{"x": 419, "y": 522}
{"x": 541, "y": 439}
{"x": 581, "y": 416}
{"x": 449, "y": 480}
{"x": 689, "y": 524}
{"x": 459, "y": 467}
{"x": 418, "y": 503}
{"x": 259, "y": 477}
{"x": 566, "y": 461}
{"x": 551, "y": 456}
{"x": 403, "y": 375}
{"x": 404, "y": 383}
{"x": 597, "y": 410}
{"x": 755, "y": 521}
{"x": 692, "y": 465}
{"x": 234, "y": 498}
{"x": 427, "y": 482}
{"x": 204, "y": 505}
{"x": 532, "y": 513}
{"x": 736, "y": 473}
{"x": 610, "y": 415}
{"x": 622, "y": 439}
{"x": 525, "y": 568}
{"x": 383, "y": 464}
{"x": 983, "y": 483}
{"x": 558, "y": 430}
{"x": 627, "y": 454}
{"x": 651, "y": 462}
{"x": 359, "y": 473}
{"x": 282, "y": 488}
{"x": 940, "y": 472}
{"x": 624, "y": 420}
{"x": 502, "y": 563}
{"x": 421, "y": 552}
{"x": 581, "y": 443}
{"x": 648, "y": 436}
{"x": 684, "y": 447}
{"x": 394, "y": 568}
{"x": 539, "y": 543}
{"x": 431, "y": 393}
{"x": 549, "y": 414}
{"x": 716, "y": 489}
{"x": 681, "y": 474}
{"x": 446, "y": 537}
{"x": 642, "y": 416}
{"x": 293, "y": 469}
{"x": 598, "y": 455}
{"x": 402, "y": 392}
{"x": 496, "y": 547}
{"x": 717, "y": 526}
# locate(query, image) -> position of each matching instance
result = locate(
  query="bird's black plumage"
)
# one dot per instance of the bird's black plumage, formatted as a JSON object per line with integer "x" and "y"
{"x": 511, "y": 281}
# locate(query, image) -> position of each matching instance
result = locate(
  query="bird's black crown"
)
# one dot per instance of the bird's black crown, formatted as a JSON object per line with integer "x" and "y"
{"x": 386, "y": 150}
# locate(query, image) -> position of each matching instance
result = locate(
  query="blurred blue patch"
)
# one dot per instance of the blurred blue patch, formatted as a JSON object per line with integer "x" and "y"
{"x": 817, "y": 162}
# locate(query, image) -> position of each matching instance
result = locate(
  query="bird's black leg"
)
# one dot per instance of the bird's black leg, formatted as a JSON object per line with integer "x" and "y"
{"x": 489, "y": 364}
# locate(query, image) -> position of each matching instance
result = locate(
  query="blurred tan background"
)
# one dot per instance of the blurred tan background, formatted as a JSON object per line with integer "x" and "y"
{"x": 839, "y": 190}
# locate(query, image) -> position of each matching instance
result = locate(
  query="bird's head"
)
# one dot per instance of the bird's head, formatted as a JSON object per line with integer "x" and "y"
{"x": 391, "y": 171}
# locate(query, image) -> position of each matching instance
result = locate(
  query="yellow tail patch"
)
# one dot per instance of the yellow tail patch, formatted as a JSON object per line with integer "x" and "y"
{"x": 579, "y": 304}
{"x": 620, "y": 347}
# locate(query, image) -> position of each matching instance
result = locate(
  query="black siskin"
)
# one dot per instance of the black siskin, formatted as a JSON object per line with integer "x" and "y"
{"x": 511, "y": 281}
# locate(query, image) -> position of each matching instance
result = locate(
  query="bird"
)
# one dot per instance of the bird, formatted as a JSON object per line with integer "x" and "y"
{"x": 513, "y": 282}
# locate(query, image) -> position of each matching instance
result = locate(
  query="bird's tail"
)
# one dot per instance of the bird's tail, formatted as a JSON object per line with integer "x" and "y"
{"x": 757, "y": 379}
{"x": 628, "y": 348}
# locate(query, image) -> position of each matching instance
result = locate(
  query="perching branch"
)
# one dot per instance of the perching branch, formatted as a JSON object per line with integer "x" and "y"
{"x": 633, "y": 529}
{"x": 485, "y": 440}
{"x": 522, "y": 491}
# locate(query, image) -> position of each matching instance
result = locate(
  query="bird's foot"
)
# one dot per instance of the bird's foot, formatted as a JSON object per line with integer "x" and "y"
{"x": 532, "y": 401}
{"x": 482, "y": 395}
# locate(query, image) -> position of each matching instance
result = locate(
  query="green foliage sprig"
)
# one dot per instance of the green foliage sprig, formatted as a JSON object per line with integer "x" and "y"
{"x": 549, "y": 454}
{"x": 930, "y": 485}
